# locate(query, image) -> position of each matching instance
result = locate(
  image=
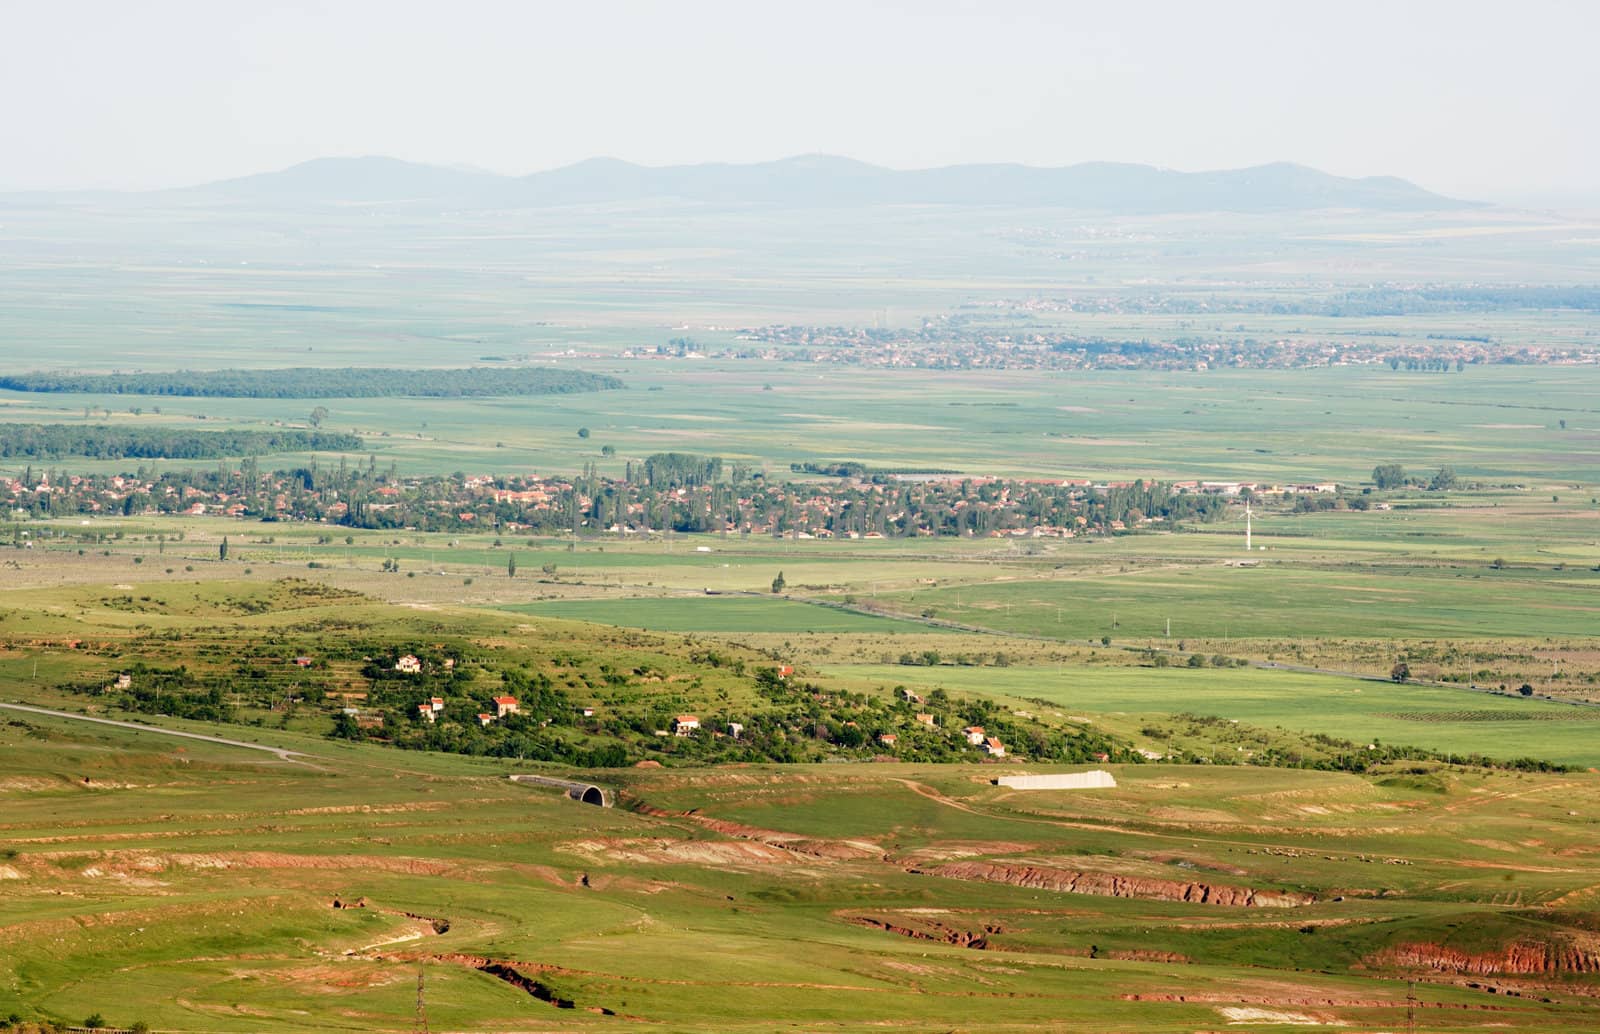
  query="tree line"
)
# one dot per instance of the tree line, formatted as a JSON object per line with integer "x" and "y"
{"x": 319, "y": 383}
{"x": 102, "y": 442}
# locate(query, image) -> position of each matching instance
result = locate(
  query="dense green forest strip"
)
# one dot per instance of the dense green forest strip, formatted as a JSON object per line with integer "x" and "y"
{"x": 52, "y": 441}
{"x": 315, "y": 383}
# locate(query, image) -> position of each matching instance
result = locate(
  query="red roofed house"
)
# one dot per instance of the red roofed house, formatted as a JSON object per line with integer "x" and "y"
{"x": 485, "y": 719}
{"x": 994, "y": 748}
{"x": 408, "y": 665}
{"x": 888, "y": 739}
{"x": 685, "y": 724}
{"x": 974, "y": 734}
{"x": 925, "y": 719}
{"x": 504, "y": 706}
{"x": 427, "y": 713}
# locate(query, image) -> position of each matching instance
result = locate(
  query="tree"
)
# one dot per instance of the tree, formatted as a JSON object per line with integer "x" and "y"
{"x": 778, "y": 583}
{"x": 1388, "y": 475}
{"x": 318, "y": 415}
{"x": 222, "y": 549}
{"x": 1400, "y": 672}
{"x": 583, "y": 432}
{"x": 511, "y": 565}
{"x": 1445, "y": 479}
{"x": 1525, "y": 689}
{"x": 608, "y": 450}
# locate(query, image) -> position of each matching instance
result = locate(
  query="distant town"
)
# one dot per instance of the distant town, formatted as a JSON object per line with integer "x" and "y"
{"x": 669, "y": 492}
{"x": 965, "y": 341}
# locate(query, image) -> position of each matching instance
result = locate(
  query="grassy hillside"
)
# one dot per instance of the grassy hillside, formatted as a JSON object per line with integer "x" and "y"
{"x": 213, "y": 877}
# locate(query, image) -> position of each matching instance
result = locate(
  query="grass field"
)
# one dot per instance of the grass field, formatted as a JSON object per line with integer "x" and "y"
{"x": 1451, "y": 720}
{"x": 201, "y": 888}
{"x": 729, "y": 614}
{"x": 212, "y": 876}
{"x": 1500, "y": 424}
{"x": 1280, "y": 601}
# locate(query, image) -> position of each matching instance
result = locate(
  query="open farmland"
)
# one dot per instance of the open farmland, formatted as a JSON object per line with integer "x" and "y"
{"x": 1354, "y": 761}
{"x": 1448, "y": 719}
{"x": 1499, "y": 423}
{"x": 1280, "y": 602}
{"x": 720, "y": 614}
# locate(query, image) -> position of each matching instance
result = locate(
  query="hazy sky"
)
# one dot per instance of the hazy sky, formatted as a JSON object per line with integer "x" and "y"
{"x": 1482, "y": 99}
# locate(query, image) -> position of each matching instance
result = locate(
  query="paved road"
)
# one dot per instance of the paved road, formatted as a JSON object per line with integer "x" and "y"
{"x": 283, "y": 753}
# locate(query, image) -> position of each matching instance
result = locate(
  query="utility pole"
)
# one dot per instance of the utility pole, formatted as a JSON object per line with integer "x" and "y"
{"x": 1411, "y": 1007}
{"x": 419, "y": 1024}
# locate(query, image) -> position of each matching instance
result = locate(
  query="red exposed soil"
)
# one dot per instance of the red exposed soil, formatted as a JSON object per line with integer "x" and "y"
{"x": 1520, "y": 959}
{"x": 977, "y": 939}
{"x": 836, "y": 849}
{"x": 1104, "y": 884}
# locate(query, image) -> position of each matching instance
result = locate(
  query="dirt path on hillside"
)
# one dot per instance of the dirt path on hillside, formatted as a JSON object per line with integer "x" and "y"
{"x": 283, "y": 753}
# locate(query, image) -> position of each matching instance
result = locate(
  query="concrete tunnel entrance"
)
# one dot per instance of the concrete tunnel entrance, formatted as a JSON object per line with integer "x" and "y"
{"x": 586, "y": 793}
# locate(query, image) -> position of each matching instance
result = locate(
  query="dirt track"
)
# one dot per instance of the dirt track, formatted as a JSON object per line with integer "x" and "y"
{"x": 283, "y": 753}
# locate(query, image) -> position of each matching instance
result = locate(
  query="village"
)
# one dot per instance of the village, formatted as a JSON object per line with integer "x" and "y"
{"x": 860, "y": 506}
{"x": 439, "y": 699}
{"x": 963, "y": 341}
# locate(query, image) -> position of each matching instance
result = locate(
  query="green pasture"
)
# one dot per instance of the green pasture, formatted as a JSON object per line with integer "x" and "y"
{"x": 1277, "y": 600}
{"x": 191, "y": 887}
{"x": 1441, "y": 719}
{"x": 1498, "y": 423}
{"x": 717, "y": 614}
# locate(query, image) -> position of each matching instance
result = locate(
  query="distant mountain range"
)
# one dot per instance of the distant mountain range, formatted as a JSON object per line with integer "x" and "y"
{"x": 822, "y": 181}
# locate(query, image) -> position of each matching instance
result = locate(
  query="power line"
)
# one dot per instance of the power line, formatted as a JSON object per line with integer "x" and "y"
{"x": 419, "y": 1023}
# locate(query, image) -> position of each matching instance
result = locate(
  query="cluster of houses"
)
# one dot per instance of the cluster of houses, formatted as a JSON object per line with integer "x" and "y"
{"x": 689, "y": 725}
{"x": 503, "y": 705}
{"x": 853, "y": 507}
